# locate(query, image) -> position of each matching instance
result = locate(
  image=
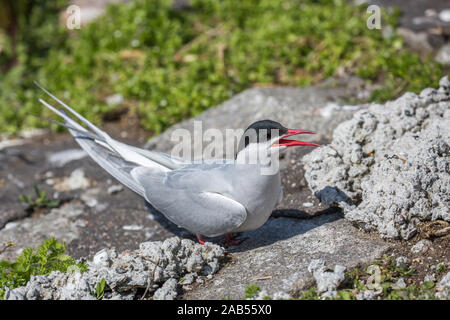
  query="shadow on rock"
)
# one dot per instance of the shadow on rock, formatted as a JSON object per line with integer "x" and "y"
{"x": 280, "y": 229}
{"x": 283, "y": 224}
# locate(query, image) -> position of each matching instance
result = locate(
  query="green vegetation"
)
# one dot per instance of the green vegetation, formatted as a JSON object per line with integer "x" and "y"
{"x": 100, "y": 289}
{"x": 380, "y": 277}
{"x": 441, "y": 268}
{"x": 50, "y": 256}
{"x": 169, "y": 65}
{"x": 386, "y": 268}
{"x": 251, "y": 291}
{"x": 41, "y": 200}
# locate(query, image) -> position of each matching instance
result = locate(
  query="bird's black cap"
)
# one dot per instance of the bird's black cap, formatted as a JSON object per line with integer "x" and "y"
{"x": 261, "y": 131}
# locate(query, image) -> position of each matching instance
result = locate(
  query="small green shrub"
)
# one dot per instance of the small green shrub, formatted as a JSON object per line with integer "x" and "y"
{"x": 49, "y": 256}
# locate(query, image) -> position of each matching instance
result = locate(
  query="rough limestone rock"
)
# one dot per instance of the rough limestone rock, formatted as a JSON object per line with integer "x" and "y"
{"x": 327, "y": 281}
{"x": 276, "y": 256}
{"x": 388, "y": 167}
{"x": 157, "y": 265}
{"x": 444, "y": 287}
{"x": 168, "y": 291}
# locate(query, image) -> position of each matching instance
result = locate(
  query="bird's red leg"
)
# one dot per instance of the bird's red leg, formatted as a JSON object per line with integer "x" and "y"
{"x": 200, "y": 239}
{"x": 233, "y": 241}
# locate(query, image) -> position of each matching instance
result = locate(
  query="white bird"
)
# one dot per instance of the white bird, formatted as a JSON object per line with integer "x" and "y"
{"x": 211, "y": 198}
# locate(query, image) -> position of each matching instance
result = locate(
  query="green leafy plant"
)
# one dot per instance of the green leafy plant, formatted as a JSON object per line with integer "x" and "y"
{"x": 100, "y": 289}
{"x": 310, "y": 294}
{"x": 170, "y": 65}
{"x": 49, "y": 256}
{"x": 40, "y": 201}
{"x": 441, "y": 268}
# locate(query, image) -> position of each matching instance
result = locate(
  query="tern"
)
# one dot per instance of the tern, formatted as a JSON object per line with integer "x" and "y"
{"x": 208, "y": 198}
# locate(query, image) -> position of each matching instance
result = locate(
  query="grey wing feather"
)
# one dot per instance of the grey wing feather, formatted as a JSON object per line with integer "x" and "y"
{"x": 114, "y": 165}
{"x": 139, "y": 156}
{"x": 199, "y": 211}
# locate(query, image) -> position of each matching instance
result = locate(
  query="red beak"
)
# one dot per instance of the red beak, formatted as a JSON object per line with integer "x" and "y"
{"x": 292, "y": 143}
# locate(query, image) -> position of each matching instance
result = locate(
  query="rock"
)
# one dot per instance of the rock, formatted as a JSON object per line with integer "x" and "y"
{"x": 366, "y": 295}
{"x": 77, "y": 180}
{"x": 444, "y": 15}
{"x": 101, "y": 258}
{"x": 283, "y": 249}
{"x": 400, "y": 284}
{"x": 443, "y": 55}
{"x": 159, "y": 263}
{"x": 188, "y": 279}
{"x": 90, "y": 197}
{"x": 280, "y": 295}
{"x": 444, "y": 287}
{"x": 422, "y": 246}
{"x": 429, "y": 278}
{"x": 115, "y": 189}
{"x": 62, "y": 223}
{"x": 114, "y": 100}
{"x": 61, "y": 158}
{"x": 445, "y": 83}
{"x": 445, "y": 281}
{"x": 386, "y": 167}
{"x": 417, "y": 41}
{"x": 327, "y": 281}
{"x": 278, "y": 104}
{"x": 132, "y": 227}
{"x": 262, "y": 294}
{"x": 168, "y": 291}
{"x": 402, "y": 261}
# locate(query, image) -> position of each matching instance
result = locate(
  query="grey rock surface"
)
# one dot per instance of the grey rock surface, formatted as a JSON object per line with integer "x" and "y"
{"x": 327, "y": 281}
{"x": 309, "y": 105}
{"x": 63, "y": 223}
{"x": 444, "y": 287}
{"x": 156, "y": 265}
{"x": 62, "y": 158}
{"x": 387, "y": 167}
{"x": 443, "y": 55}
{"x": 422, "y": 246}
{"x": 168, "y": 291}
{"x": 276, "y": 256}
{"x": 367, "y": 295}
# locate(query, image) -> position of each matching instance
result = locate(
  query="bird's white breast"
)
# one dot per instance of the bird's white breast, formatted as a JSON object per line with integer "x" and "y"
{"x": 259, "y": 194}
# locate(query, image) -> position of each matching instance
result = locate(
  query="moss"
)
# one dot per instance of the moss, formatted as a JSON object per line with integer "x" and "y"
{"x": 251, "y": 291}
{"x": 170, "y": 65}
{"x": 49, "y": 256}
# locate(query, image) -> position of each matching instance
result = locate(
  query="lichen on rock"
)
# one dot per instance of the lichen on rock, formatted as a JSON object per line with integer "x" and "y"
{"x": 388, "y": 167}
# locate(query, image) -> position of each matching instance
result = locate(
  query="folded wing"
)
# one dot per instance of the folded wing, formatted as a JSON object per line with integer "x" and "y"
{"x": 186, "y": 203}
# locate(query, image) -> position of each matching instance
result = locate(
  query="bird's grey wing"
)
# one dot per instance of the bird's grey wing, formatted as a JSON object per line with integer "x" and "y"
{"x": 167, "y": 160}
{"x": 113, "y": 164}
{"x": 189, "y": 205}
